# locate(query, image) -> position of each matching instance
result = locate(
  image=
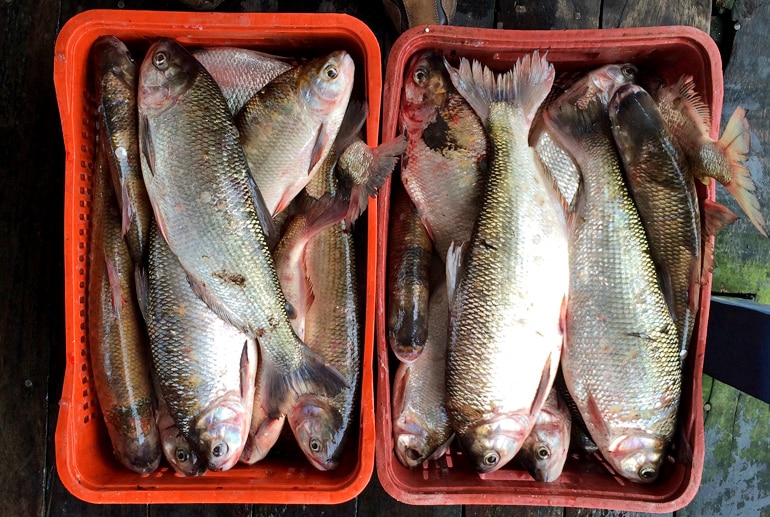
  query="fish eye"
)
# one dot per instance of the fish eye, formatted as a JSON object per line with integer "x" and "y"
{"x": 182, "y": 455}
{"x": 543, "y": 453}
{"x": 629, "y": 71}
{"x": 331, "y": 71}
{"x": 315, "y": 445}
{"x": 647, "y": 473}
{"x": 219, "y": 450}
{"x": 160, "y": 60}
{"x": 420, "y": 76}
{"x": 491, "y": 459}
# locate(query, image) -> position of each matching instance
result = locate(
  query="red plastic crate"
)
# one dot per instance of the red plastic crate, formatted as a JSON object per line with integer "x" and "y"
{"x": 667, "y": 51}
{"x": 84, "y": 456}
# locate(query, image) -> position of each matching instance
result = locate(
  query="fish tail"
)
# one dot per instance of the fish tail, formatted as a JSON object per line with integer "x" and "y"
{"x": 527, "y": 84}
{"x": 385, "y": 157}
{"x": 735, "y": 144}
{"x": 314, "y": 375}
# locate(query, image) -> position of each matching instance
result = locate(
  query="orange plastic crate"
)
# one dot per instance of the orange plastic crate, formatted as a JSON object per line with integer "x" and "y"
{"x": 84, "y": 456}
{"x": 667, "y": 51}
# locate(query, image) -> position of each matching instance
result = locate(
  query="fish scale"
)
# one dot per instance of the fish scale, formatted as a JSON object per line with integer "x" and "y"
{"x": 621, "y": 356}
{"x": 203, "y": 199}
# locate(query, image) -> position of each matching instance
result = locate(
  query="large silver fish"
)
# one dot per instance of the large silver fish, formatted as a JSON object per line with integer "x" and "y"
{"x": 203, "y": 199}
{"x": 509, "y": 283}
{"x": 206, "y": 368}
{"x": 621, "y": 357}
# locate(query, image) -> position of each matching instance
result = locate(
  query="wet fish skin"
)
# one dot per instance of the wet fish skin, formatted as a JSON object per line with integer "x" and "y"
{"x": 288, "y": 128}
{"x": 622, "y": 368}
{"x": 421, "y": 428}
{"x": 444, "y": 167}
{"x": 117, "y": 338}
{"x": 116, "y": 85}
{"x": 688, "y": 119}
{"x": 663, "y": 190}
{"x": 545, "y": 450}
{"x": 500, "y": 364}
{"x": 323, "y": 425}
{"x": 206, "y": 368}
{"x": 240, "y": 72}
{"x": 410, "y": 252}
{"x": 264, "y": 431}
{"x": 203, "y": 201}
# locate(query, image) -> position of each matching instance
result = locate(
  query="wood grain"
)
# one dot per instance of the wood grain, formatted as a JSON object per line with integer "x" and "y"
{"x": 550, "y": 14}
{"x": 628, "y": 13}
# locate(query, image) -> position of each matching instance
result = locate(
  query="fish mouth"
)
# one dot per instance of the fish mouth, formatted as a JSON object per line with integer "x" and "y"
{"x": 637, "y": 457}
{"x": 219, "y": 434}
{"x": 318, "y": 429}
{"x": 493, "y": 442}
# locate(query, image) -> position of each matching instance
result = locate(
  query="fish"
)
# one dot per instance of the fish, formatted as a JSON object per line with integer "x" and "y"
{"x": 203, "y": 202}
{"x": 312, "y": 217}
{"x": 444, "y": 167}
{"x": 206, "y": 368}
{"x": 240, "y": 72}
{"x": 505, "y": 326}
{"x": 323, "y": 425}
{"x": 663, "y": 189}
{"x": 176, "y": 448}
{"x": 288, "y": 127}
{"x": 410, "y": 253}
{"x": 545, "y": 450}
{"x": 117, "y": 338}
{"x": 421, "y": 428}
{"x": 621, "y": 357}
{"x": 688, "y": 119}
{"x": 264, "y": 431}
{"x": 116, "y": 85}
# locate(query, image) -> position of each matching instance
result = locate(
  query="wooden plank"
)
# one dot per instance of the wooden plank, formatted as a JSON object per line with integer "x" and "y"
{"x": 622, "y": 13}
{"x": 31, "y": 286}
{"x": 741, "y": 252}
{"x": 582, "y": 512}
{"x": 550, "y": 14}
{"x": 513, "y": 511}
{"x": 62, "y": 504}
{"x": 347, "y": 509}
{"x": 200, "y": 510}
{"x": 736, "y": 472}
{"x": 474, "y": 13}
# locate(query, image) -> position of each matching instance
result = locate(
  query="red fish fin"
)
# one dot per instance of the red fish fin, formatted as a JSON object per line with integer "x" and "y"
{"x": 715, "y": 217}
{"x": 400, "y": 383}
{"x": 735, "y": 143}
{"x": 279, "y": 389}
{"x": 320, "y": 148}
{"x": 543, "y": 389}
{"x": 127, "y": 212}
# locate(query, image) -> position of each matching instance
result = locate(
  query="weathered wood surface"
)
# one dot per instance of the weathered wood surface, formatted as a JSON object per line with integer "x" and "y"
{"x": 742, "y": 254}
{"x": 736, "y": 475}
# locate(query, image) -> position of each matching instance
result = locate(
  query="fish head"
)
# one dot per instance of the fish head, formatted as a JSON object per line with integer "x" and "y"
{"x": 544, "y": 451}
{"x": 167, "y": 71}
{"x": 180, "y": 454}
{"x": 318, "y": 427}
{"x": 495, "y": 441}
{"x": 601, "y": 82}
{"x": 220, "y": 432}
{"x": 111, "y": 56}
{"x": 637, "y": 457}
{"x": 413, "y": 441}
{"x": 139, "y": 450}
{"x": 426, "y": 89}
{"x": 325, "y": 83}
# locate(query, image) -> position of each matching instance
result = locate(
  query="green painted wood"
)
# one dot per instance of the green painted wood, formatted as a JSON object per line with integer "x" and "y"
{"x": 742, "y": 254}
{"x": 622, "y": 13}
{"x": 550, "y": 14}
{"x": 736, "y": 473}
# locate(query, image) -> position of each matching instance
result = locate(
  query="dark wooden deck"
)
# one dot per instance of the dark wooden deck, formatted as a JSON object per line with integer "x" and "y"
{"x": 736, "y": 478}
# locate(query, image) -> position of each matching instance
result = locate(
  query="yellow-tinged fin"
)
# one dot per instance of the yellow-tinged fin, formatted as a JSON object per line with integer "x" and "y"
{"x": 314, "y": 375}
{"x": 527, "y": 84}
{"x": 715, "y": 217}
{"x": 735, "y": 143}
{"x": 699, "y": 110}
